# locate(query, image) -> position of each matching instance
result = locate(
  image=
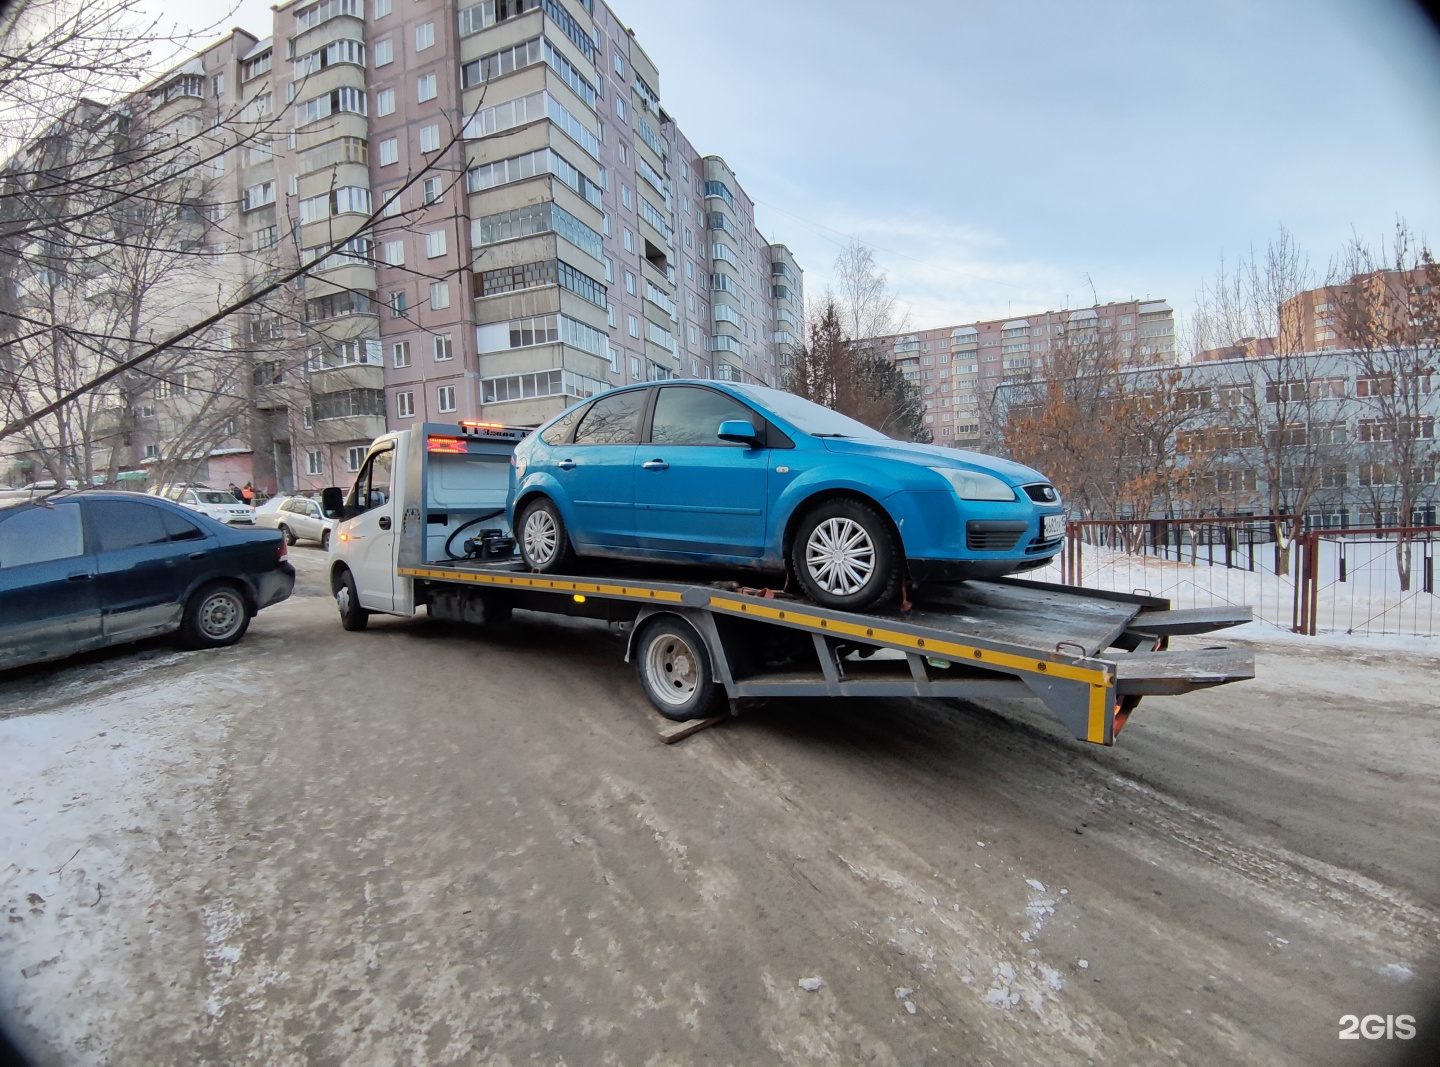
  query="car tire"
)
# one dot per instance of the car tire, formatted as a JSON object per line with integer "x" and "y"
{"x": 846, "y": 556}
{"x": 673, "y": 666}
{"x": 290, "y": 537}
{"x": 216, "y": 615}
{"x": 542, "y": 538}
{"x": 324, "y": 540}
{"x": 347, "y": 598}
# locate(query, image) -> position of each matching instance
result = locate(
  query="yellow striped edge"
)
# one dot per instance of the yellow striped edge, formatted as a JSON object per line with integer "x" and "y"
{"x": 535, "y": 581}
{"x": 1095, "y": 677}
{"x": 1099, "y": 705}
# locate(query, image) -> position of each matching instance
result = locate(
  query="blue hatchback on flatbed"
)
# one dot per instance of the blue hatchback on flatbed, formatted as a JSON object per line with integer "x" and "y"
{"x": 735, "y": 475}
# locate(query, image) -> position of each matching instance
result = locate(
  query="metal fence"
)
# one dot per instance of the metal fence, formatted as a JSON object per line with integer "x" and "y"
{"x": 1358, "y": 581}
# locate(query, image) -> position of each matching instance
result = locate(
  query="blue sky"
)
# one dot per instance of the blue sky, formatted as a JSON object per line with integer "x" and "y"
{"x": 995, "y": 154}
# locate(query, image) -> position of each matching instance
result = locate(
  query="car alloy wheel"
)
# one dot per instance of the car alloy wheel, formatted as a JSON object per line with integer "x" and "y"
{"x": 840, "y": 556}
{"x": 541, "y": 537}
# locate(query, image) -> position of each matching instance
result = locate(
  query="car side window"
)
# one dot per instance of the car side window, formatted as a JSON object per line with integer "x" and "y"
{"x": 613, "y": 420}
{"x": 120, "y": 524}
{"x": 688, "y": 415}
{"x": 42, "y": 534}
{"x": 372, "y": 484}
{"x": 559, "y": 433}
{"x": 312, "y": 509}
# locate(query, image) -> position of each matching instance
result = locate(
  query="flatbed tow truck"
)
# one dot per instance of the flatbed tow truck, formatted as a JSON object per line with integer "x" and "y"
{"x": 1088, "y": 655}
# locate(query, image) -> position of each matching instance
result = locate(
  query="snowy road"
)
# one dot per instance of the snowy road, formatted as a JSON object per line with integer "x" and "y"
{"x": 426, "y": 844}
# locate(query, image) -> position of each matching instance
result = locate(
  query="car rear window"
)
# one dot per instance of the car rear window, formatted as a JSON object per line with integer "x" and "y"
{"x": 613, "y": 420}
{"x": 42, "y": 534}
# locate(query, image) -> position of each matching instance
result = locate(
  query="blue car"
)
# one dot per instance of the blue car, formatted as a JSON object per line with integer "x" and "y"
{"x": 743, "y": 476}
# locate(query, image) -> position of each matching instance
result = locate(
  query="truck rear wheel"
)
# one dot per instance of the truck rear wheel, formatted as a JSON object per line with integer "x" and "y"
{"x": 673, "y": 666}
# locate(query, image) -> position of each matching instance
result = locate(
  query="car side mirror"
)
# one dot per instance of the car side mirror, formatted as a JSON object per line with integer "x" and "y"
{"x": 332, "y": 501}
{"x": 738, "y": 431}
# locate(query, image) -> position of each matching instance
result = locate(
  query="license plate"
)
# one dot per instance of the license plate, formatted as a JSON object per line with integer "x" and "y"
{"x": 1053, "y": 528}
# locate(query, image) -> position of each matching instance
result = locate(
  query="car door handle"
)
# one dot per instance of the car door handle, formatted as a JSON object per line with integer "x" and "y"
{"x": 197, "y": 555}
{"x": 82, "y": 577}
{"x": 384, "y": 522}
{"x": 566, "y": 464}
{"x": 656, "y": 465}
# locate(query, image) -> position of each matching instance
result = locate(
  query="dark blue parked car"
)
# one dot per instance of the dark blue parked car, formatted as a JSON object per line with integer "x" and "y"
{"x": 86, "y": 570}
{"x": 740, "y": 475}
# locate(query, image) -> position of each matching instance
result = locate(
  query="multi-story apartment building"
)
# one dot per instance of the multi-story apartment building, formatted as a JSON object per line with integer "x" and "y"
{"x": 1314, "y": 320}
{"x": 958, "y": 368}
{"x": 545, "y": 228}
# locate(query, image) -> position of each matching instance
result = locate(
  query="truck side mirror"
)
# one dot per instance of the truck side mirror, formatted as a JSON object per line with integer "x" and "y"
{"x": 332, "y": 501}
{"x": 738, "y": 431}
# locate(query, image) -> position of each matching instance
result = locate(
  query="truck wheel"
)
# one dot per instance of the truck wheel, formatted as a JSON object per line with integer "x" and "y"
{"x": 673, "y": 666}
{"x": 352, "y": 616}
{"x": 290, "y": 538}
{"x": 324, "y": 540}
{"x": 216, "y": 615}
{"x": 544, "y": 542}
{"x": 845, "y": 556}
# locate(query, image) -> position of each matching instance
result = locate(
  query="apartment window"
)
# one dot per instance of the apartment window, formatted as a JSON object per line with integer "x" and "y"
{"x": 605, "y": 223}
{"x": 405, "y": 405}
{"x": 610, "y": 315}
{"x": 635, "y": 368}
{"x": 389, "y": 151}
{"x": 151, "y": 452}
{"x": 384, "y": 52}
{"x": 431, "y": 189}
{"x": 424, "y": 37}
{"x": 630, "y": 283}
{"x": 443, "y": 349}
{"x": 625, "y": 196}
{"x": 624, "y": 154}
{"x": 430, "y": 138}
{"x": 394, "y": 253}
{"x": 619, "y": 64}
{"x": 609, "y": 271}
{"x": 439, "y": 295}
{"x": 381, "y": 8}
{"x": 689, "y": 268}
{"x": 614, "y": 361}
{"x": 400, "y": 354}
{"x": 391, "y": 200}
{"x": 629, "y": 241}
{"x": 398, "y": 304}
{"x": 314, "y": 461}
{"x": 354, "y": 456}
{"x": 425, "y": 87}
{"x": 385, "y": 102}
{"x": 219, "y": 84}
{"x": 689, "y": 239}
{"x": 434, "y": 244}
{"x": 620, "y": 108}
{"x": 445, "y": 398}
{"x": 634, "y": 326}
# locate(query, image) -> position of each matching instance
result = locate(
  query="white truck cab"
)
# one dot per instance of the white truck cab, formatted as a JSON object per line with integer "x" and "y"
{"x": 435, "y": 493}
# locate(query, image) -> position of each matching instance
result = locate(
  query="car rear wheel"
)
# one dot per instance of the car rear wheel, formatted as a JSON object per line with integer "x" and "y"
{"x": 352, "y": 616}
{"x": 845, "y": 555}
{"x": 215, "y": 616}
{"x": 673, "y": 667}
{"x": 544, "y": 541}
{"x": 290, "y": 537}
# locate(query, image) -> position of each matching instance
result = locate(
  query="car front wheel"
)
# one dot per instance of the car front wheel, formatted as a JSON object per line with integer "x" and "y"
{"x": 544, "y": 541}
{"x": 215, "y": 616}
{"x": 846, "y": 556}
{"x": 347, "y": 598}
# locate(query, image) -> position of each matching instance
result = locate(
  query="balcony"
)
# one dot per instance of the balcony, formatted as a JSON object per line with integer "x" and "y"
{"x": 356, "y": 428}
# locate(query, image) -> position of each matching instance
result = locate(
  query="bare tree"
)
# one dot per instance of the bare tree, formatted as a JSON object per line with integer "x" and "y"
{"x": 866, "y": 306}
{"x": 1284, "y": 410}
{"x": 1386, "y": 310}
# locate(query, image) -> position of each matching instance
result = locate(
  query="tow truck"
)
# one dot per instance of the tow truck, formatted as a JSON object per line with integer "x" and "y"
{"x": 423, "y": 526}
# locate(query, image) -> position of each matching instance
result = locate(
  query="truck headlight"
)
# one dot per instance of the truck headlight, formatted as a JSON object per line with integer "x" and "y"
{"x": 972, "y": 485}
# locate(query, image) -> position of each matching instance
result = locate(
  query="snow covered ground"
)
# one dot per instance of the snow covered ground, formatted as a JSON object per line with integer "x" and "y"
{"x": 1359, "y": 591}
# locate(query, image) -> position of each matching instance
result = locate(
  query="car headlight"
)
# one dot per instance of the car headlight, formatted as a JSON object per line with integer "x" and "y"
{"x": 972, "y": 485}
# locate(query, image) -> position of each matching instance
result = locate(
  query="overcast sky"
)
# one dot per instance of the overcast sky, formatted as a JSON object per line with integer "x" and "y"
{"x": 1001, "y": 157}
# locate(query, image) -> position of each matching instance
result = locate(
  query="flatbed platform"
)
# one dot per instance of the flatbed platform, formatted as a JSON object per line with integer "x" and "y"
{"x": 1089, "y": 655}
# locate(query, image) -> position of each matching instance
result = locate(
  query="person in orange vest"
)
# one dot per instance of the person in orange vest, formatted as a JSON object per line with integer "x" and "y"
{"x": 248, "y": 494}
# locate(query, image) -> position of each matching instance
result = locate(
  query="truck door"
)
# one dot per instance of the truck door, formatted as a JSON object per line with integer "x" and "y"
{"x": 369, "y": 536}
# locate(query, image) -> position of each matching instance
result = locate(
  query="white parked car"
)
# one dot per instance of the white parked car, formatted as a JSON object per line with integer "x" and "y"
{"x": 298, "y": 518}
{"x": 219, "y": 504}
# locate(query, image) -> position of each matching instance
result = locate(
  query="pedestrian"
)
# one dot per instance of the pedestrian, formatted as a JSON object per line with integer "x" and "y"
{"x": 236, "y": 492}
{"x": 248, "y": 494}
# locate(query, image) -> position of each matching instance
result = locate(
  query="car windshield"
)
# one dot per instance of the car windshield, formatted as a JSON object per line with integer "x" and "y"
{"x": 809, "y": 417}
{"x": 216, "y": 497}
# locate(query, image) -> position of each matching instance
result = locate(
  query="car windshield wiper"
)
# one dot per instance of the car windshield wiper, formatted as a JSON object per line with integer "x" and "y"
{"x": 845, "y": 435}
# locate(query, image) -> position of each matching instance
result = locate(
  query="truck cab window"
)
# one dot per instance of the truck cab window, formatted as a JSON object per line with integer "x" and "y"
{"x": 372, "y": 484}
